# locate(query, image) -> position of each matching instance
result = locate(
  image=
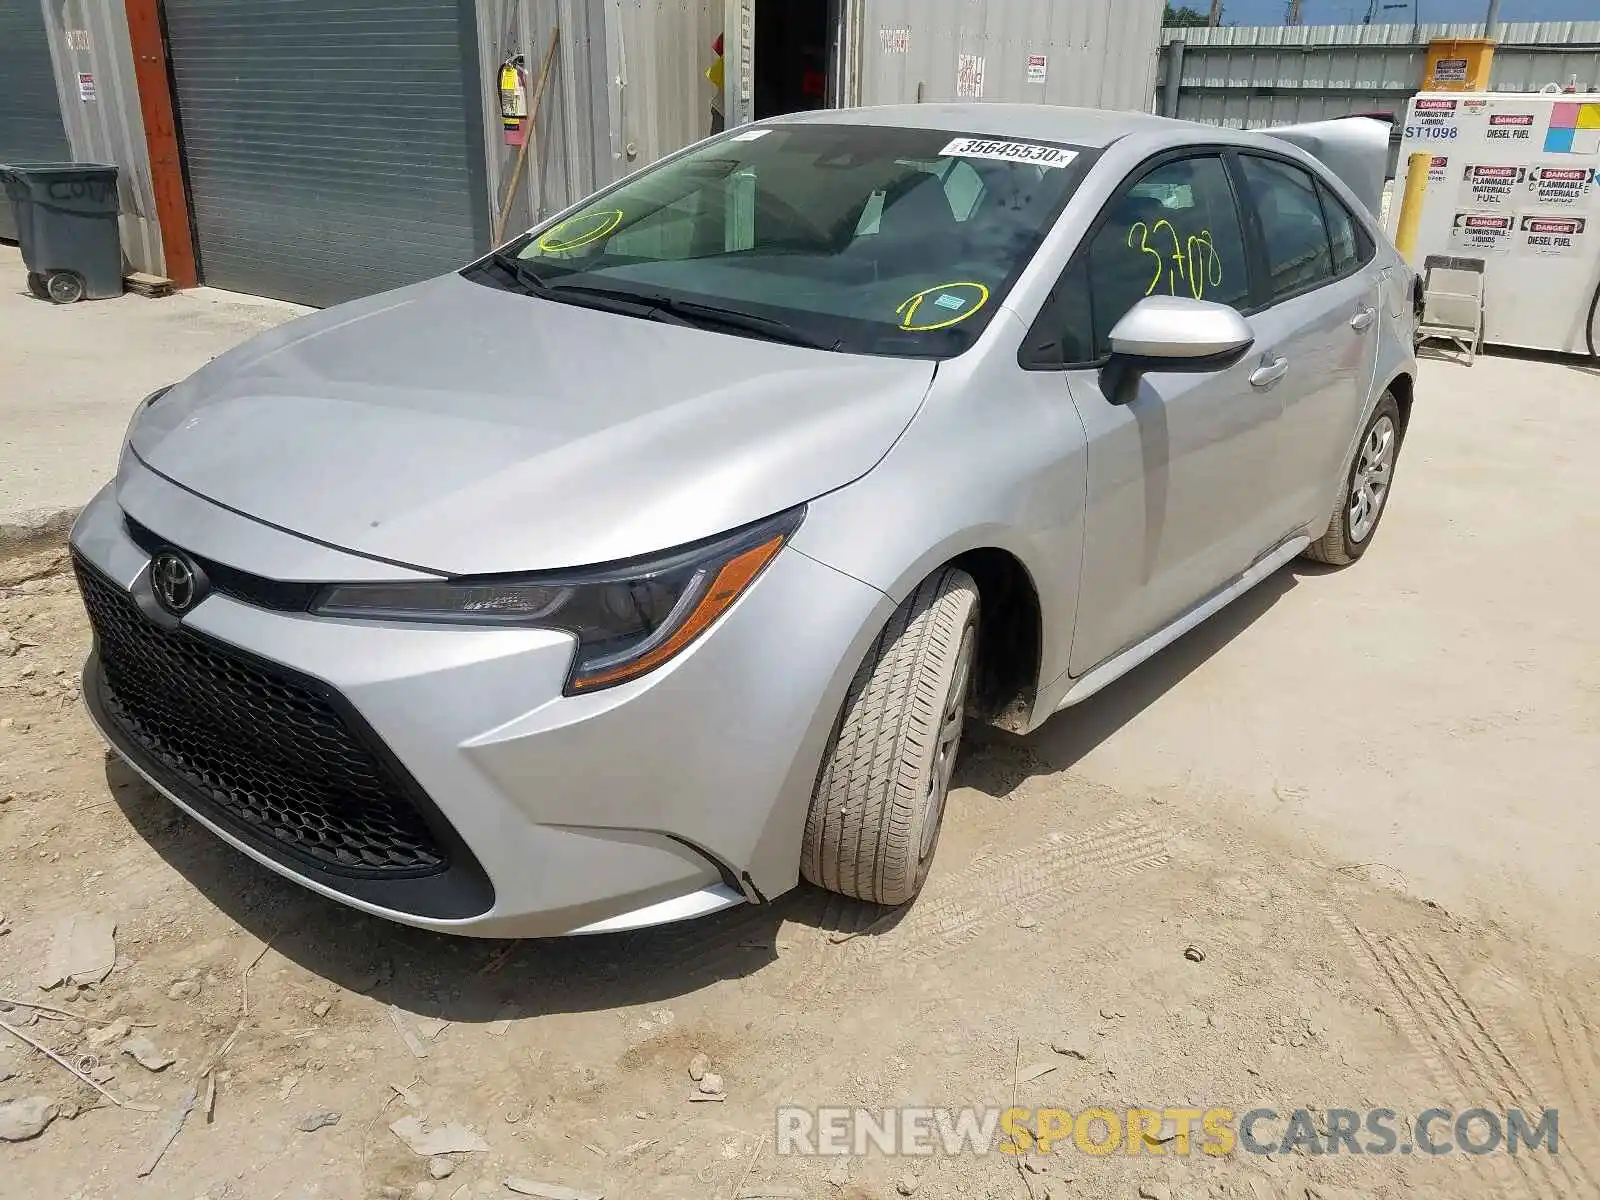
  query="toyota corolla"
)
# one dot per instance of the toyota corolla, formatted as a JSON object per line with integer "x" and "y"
{"x": 660, "y": 557}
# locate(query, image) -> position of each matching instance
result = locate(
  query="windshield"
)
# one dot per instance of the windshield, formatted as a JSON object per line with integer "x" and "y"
{"x": 855, "y": 238}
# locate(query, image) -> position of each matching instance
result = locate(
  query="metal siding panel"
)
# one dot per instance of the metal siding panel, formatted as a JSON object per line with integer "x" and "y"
{"x": 1261, "y": 75}
{"x": 1101, "y": 53}
{"x": 331, "y": 151}
{"x": 31, "y": 127}
{"x": 109, "y": 128}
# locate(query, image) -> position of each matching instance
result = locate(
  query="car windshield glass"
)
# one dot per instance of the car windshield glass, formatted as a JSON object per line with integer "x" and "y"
{"x": 856, "y": 238}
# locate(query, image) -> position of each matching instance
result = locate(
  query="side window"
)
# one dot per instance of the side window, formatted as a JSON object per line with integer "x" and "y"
{"x": 1350, "y": 250}
{"x": 1063, "y": 336}
{"x": 1175, "y": 232}
{"x": 1294, "y": 235}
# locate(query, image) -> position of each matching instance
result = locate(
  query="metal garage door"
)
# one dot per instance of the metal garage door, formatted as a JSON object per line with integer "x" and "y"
{"x": 332, "y": 150}
{"x": 30, "y": 114}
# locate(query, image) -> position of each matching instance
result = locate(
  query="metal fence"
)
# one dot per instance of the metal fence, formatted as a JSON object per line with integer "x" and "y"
{"x": 1251, "y": 76}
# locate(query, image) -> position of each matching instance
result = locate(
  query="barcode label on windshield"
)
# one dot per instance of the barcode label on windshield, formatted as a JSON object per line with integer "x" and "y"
{"x": 1018, "y": 152}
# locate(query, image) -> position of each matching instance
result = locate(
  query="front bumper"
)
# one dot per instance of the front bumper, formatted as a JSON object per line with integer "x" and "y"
{"x": 668, "y": 797}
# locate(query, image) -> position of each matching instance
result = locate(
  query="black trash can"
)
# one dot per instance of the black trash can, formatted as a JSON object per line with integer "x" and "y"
{"x": 66, "y": 216}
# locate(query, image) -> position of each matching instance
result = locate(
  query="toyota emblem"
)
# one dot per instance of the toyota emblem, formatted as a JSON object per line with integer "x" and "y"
{"x": 174, "y": 582}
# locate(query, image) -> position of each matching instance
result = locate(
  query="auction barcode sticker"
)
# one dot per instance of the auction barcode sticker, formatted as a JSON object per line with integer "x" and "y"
{"x": 1022, "y": 152}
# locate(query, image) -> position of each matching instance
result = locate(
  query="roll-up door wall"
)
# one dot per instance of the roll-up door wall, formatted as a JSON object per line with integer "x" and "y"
{"x": 331, "y": 151}
{"x": 30, "y": 113}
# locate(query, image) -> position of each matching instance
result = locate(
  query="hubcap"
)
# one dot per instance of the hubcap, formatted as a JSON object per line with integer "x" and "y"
{"x": 1369, "y": 486}
{"x": 951, "y": 723}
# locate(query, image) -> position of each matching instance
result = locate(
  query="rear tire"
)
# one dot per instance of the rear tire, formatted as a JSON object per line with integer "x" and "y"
{"x": 880, "y": 797}
{"x": 1364, "y": 495}
{"x": 36, "y": 285}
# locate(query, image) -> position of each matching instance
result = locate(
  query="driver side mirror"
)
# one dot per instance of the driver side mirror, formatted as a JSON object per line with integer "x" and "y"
{"x": 1176, "y": 333}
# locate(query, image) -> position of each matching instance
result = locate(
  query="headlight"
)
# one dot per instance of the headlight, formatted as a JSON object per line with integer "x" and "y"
{"x": 628, "y": 618}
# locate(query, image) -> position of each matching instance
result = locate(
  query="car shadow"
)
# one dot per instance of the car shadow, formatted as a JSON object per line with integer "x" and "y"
{"x": 1003, "y": 761}
{"x": 468, "y": 980}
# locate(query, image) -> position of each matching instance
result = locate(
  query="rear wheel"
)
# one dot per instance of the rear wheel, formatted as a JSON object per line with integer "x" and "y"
{"x": 880, "y": 797}
{"x": 1365, "y": 493}
{"x": 36, "y": 285}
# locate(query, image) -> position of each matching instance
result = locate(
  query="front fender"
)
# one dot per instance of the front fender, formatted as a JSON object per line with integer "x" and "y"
{"x": 997, "y": 459}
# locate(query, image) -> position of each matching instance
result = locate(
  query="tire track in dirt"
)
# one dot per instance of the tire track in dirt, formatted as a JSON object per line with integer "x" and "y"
{"x": 957, "y": 909}
{"x": 1451, "y": 1032}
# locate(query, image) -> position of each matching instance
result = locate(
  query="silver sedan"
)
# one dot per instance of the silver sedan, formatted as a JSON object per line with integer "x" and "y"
{"x": 661, "y": 557}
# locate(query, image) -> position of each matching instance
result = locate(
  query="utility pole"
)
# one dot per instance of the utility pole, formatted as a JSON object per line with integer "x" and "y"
{"x": 1292, "y": 16}
{"x": 1491, "y": 22}
{"x": 1216, "y": 14}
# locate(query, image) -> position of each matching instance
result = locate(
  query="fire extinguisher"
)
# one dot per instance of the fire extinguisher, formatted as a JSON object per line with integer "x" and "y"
{"x": 513, "y": 98}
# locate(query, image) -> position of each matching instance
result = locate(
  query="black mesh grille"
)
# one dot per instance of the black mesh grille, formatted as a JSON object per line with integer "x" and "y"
{"x": 272, "y": 755}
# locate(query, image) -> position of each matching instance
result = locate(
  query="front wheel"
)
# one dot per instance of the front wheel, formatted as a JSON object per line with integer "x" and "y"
{"x": 1365, "y": 493}
{"x": 880, "y": 796}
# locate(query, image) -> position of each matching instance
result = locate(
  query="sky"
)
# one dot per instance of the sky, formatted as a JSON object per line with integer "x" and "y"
{"x": 1341, "y": 12}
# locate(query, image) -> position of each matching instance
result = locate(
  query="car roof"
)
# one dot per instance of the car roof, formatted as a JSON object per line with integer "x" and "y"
{"x": 1088, "y": 127}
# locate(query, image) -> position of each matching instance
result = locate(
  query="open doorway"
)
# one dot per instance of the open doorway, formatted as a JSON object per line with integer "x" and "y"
{"x": 793, "y": 55}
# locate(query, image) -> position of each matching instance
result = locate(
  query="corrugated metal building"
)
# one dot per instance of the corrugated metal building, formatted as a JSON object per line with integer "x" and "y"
{"x": 30, "y": 115}
{"x": 1251, "y": 76}
{"x": 316, "y": 152}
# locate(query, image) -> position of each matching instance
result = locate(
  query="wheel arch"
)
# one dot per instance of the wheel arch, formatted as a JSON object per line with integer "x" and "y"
{"x": 1403, "y": 388}
{"x": 1011, "y": 629}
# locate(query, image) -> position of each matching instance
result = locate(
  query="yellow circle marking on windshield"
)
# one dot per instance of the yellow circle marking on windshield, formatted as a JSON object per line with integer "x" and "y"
{"x": 551, "y": 242}
{"x": 946, "y": 298}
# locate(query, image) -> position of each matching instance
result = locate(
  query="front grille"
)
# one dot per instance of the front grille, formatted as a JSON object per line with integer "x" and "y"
{"x": 266, "y": 752}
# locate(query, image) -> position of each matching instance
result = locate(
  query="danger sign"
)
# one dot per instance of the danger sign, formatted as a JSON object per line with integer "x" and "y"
{"x": 1559, "y": 237}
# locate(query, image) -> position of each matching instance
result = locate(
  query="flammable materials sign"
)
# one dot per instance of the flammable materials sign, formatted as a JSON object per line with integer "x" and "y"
{"x": 1492, "y": 186}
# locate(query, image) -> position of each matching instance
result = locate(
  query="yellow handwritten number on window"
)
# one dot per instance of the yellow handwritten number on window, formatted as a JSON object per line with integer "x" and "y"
{"x": 1192, "y": 266}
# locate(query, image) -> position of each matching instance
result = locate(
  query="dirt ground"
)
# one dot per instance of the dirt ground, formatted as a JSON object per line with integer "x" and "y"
{"x": 1365, "y": 798}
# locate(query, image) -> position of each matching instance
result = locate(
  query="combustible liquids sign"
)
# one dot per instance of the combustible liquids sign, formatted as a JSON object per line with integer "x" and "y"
{"x": 1038, "y": 68}
{"x": 1433, "y": 120}
{"x": 969, "y": 76}
{"x": 1492, "y": 187}
{"x": 1510, "y": 127}
{"x": 1561, "y": 187}
{"x": 1481, "y": 233}
{"x": 1560, "y": 237}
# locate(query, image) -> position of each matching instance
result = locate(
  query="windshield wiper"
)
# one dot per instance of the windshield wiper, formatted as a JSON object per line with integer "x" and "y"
{"x": 712, "y": 316}
{"x": 657, "y": 307}
{"x": 520, "y": 271}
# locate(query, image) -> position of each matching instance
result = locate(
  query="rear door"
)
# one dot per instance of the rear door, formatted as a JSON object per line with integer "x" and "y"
{"x": 1322, "y": 320}
{"x": 1180, "y": 482}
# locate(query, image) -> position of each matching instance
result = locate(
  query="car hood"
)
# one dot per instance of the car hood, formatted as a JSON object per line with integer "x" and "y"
{"x": 468, "y": 430}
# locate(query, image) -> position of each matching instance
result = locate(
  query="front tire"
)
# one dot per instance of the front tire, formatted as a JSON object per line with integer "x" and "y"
{"x": 880, "y": 797}
{"x": 1365, "y": 493}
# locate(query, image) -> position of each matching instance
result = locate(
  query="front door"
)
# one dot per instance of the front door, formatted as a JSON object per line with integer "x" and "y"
{"x": 1182, "y": 493}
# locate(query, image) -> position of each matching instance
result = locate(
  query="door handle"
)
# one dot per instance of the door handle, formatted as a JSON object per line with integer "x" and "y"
{"x": 1363, "y": 319}
{"x": 1268, "y": 373}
